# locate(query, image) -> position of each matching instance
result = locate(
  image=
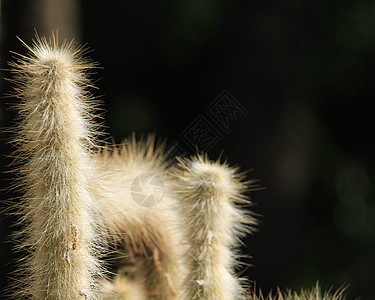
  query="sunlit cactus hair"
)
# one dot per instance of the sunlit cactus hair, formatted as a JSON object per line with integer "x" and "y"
{"x": 314, "y": 293}
{"x": 210, "y": 194}
{"x": 55, "y": 136}
{"x": 151, "y": 237}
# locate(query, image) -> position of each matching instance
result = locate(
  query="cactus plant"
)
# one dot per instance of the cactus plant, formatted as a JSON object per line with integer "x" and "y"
{"x": 55, "y": 135}
{"x": 81, "y": 207}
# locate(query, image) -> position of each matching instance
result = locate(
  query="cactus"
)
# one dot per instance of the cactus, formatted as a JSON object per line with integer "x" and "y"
{"x": 310, "y": 294}
{"x": 208, "y": 193}
{"x": 55, "y": 137}
{"x": 80, "y": 211}
{"x": 151, "y": 235}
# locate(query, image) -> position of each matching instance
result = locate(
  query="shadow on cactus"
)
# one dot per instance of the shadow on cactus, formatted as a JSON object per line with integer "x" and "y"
{"x": 116, "y": 221}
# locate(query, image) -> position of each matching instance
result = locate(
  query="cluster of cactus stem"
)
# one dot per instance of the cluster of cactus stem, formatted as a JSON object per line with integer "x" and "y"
{"x": 77, "y": 212}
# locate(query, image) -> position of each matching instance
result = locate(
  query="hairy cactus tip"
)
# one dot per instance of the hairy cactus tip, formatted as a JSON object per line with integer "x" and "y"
{"x": 54, "y": 138}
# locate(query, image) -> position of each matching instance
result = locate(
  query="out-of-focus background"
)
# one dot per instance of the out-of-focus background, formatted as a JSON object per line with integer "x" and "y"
{"x": 299, "y": 77}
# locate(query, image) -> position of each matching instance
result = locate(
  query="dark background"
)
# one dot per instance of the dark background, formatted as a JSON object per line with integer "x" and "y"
{"x": 304, "y": 72}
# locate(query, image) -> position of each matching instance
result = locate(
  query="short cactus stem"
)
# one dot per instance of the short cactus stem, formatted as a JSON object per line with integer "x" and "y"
{"x": 208, "y": 193}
